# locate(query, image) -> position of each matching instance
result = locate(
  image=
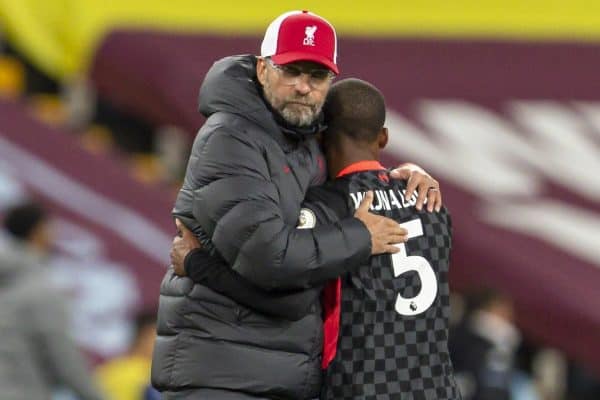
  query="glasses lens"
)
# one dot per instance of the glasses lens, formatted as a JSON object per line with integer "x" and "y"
{"x": 290, "y": 71}
{"x": 291, "y": 74}
{"x": 319, "y": 74}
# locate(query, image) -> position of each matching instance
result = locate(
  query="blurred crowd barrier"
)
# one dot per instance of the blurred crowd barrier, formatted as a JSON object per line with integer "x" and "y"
{"x": 501, "y": 103}
{"x": 60, "y": 36}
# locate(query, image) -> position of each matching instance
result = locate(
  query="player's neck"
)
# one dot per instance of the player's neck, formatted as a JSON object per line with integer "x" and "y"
{"x": 348, "y": 153}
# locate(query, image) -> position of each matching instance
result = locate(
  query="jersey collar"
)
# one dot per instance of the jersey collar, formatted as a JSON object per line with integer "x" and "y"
{"x": 360, "y": 166}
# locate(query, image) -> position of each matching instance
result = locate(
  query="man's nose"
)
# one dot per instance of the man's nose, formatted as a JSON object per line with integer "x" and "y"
{"x": 303, "y": 84}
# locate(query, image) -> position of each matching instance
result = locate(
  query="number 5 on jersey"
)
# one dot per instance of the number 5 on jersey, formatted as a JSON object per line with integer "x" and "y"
{"x": 403, "y": 263}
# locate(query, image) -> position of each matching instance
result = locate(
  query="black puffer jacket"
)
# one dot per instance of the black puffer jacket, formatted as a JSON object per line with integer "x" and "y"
{"x": 245, "y": 181}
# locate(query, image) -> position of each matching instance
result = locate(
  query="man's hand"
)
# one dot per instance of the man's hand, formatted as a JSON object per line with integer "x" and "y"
{"x": 384, "y": 232}
{"x": 183, "y": 243}
{"x": 427, "y": 187}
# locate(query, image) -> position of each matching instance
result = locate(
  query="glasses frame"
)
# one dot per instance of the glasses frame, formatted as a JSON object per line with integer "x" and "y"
{"x": 313, "y": 82}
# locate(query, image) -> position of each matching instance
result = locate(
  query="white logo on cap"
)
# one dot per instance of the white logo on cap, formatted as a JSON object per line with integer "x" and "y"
{"x": 309, "y": 39}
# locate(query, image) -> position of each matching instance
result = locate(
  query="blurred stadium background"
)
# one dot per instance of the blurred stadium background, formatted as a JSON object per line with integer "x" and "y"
{"x": 500, "y": 100}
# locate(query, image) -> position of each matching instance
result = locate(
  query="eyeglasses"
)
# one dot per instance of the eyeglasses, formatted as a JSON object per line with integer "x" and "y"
{"x": 291, "y": 74}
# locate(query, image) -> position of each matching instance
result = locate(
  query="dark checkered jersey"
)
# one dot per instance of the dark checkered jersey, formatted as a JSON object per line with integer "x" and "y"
{"x": 393, "y": 338}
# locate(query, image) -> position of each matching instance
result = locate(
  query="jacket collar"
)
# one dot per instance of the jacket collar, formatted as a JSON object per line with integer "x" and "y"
{"x": 231, "y": 86}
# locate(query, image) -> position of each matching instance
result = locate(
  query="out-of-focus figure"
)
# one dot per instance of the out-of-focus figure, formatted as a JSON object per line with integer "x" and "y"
{"x": 483, "y": 349}
{"x": 37, "y": 354}
{"x": 128, "y": 377}
{"x": 583, "y": 385}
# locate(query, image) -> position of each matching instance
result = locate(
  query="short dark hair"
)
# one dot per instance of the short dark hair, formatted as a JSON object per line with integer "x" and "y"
{"x": 483, "y": 298}
{"x": 354, "y": 108}
{"x": 22, "y": 219}
{"x": 142, "y": 320}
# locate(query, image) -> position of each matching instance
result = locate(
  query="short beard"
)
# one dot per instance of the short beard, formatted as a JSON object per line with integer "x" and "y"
{"x": 300, "y": 119}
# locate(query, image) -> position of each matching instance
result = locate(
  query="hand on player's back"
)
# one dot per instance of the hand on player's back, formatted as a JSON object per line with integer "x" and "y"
{"x": 385, "y": 232}
{"x": 183, "y": 243}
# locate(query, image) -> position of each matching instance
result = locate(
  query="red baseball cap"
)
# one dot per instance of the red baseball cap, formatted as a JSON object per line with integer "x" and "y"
{"x": 301, "y": 36}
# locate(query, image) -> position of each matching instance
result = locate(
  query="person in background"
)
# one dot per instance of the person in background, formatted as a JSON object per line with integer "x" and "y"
{"x": 37, "y": 354}
{"x": 484, "y": 349}
{"x": 583, "y": 385}
{"x": 128, "y": 377}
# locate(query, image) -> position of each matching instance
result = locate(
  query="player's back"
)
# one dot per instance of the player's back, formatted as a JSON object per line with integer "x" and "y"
{"x": 393, "y": 340}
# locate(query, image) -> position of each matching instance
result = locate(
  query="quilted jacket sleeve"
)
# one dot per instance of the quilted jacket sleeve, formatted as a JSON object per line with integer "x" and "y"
{"x": 237, "y": 206}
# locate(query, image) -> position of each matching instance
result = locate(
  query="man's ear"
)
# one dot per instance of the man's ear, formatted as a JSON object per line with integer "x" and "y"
{"x": 382, "y": 138}
{"x": 261, "y": 70}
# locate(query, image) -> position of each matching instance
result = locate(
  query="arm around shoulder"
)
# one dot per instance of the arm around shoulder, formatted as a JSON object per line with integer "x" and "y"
{"x": 240, "y": 209}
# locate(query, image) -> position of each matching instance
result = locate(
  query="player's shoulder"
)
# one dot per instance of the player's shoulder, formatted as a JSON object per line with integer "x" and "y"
{"x": 329, "y": 190}
{"x": 327, "y": 201}
{"x": 437, "y": 222}
{"x": 444, "y": 214}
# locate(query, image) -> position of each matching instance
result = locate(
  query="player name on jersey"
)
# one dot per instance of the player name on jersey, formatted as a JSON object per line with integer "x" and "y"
{"x": 385, "y": 199}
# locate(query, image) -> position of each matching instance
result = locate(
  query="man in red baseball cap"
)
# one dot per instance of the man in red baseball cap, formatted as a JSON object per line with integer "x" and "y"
{"x": 297, "y": 65}
{"x": 251, "y": 165}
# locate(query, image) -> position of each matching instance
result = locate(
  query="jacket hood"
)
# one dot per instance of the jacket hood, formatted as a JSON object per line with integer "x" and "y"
{"x": 231, "y": 86}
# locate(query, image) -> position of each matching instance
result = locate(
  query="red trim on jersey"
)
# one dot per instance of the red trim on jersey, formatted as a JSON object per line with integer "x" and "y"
{"x": 360, "y": 166}
{"x": 332, "y": 301}
{"x": 332, "y": 293}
